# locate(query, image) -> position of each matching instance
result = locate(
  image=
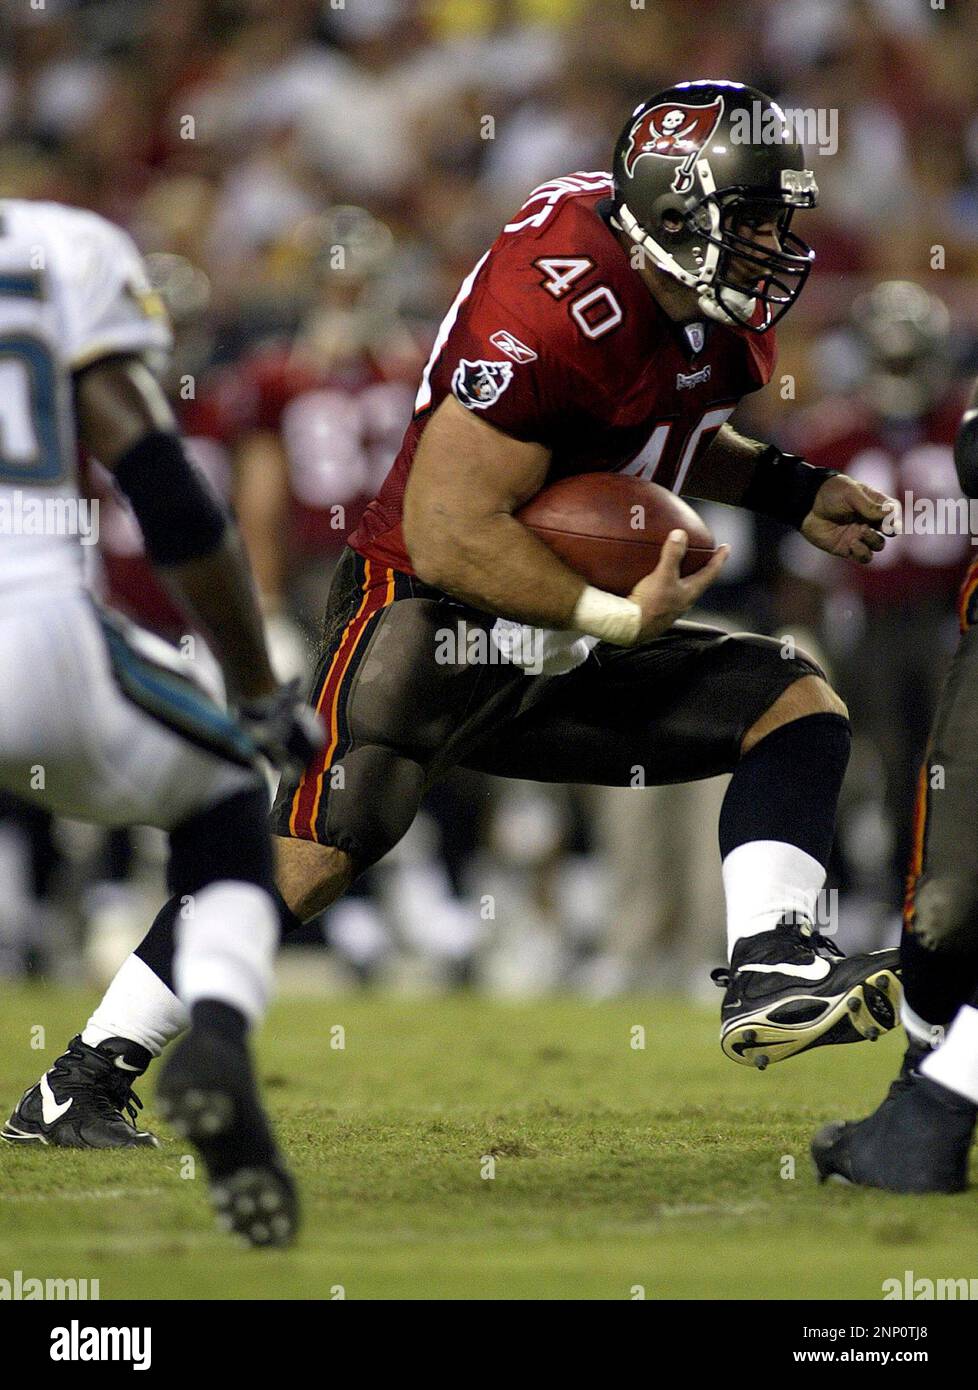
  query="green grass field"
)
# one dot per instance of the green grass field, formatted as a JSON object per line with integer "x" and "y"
{"x": 614, "y": 1167}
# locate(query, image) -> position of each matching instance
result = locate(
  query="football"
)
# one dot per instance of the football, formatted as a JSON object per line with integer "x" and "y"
{"x": 610, "y": 527}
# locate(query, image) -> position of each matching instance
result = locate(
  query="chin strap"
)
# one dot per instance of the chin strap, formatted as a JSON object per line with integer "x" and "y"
{"x": 715, "y": 308}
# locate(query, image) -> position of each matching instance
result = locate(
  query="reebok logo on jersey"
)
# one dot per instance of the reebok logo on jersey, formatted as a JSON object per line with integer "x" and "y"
{"x": 512, "y": 346}
{"x": 479, "y": 384}
{"x": 684, "y": 380}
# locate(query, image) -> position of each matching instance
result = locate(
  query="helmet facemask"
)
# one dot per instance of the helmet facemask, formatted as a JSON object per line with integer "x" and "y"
{"x": 705, "y": 236}
{"x": 781, "y": 271}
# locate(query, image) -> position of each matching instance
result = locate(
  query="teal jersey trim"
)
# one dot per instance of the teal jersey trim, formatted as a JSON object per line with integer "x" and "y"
{"x": 175, "y": 701}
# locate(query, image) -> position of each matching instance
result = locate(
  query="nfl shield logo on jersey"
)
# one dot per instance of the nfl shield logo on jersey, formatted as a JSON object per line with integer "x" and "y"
{"x": 479, "y": 385}
{"x": 695, "y": 336}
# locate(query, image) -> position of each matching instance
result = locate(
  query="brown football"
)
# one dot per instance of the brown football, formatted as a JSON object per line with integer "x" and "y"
{"x": 610, "y": 527}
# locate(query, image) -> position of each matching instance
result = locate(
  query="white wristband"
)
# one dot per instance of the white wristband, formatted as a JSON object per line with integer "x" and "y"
{"x": 613, "y": 619}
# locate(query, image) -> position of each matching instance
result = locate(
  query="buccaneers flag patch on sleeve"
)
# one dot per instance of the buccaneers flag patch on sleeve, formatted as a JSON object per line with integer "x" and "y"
{"x": 479, "y": 384}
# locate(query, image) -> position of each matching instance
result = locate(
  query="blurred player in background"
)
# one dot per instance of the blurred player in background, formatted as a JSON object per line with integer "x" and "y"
{"x": 893, "y": 428}
{"x": 316, "y": 419}
{"x": 919, "y": 1139}
{"x": 100, "y": 722}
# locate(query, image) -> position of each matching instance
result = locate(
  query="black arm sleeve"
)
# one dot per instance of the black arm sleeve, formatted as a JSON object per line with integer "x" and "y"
{"x": 966, "y": 453}
{"x": 178, "y": 514}
{"x": 784, "y": 486}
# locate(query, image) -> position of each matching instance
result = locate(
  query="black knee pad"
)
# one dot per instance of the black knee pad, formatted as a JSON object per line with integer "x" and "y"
{"x": 230, "y": 840}
{"x": 373, "y": 803}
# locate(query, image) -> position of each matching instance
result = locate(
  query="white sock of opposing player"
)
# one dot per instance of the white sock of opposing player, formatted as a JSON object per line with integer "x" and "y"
{"x": 955, "y": 1063}
{"x": 225, "y": 948}
{"x": 763, "y": 880}
{"x": 137, "y": 1006}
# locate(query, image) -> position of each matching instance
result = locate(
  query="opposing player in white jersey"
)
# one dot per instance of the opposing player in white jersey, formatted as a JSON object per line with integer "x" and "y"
{"x": 96, "y": 722}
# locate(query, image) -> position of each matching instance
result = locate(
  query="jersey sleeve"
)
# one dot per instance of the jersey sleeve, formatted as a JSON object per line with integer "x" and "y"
{"x": 501, "y": 362}
{"x": 109, "y": 305}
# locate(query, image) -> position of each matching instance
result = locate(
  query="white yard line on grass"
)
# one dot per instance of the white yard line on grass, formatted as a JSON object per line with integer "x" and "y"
{"x": 91, "y": 1194}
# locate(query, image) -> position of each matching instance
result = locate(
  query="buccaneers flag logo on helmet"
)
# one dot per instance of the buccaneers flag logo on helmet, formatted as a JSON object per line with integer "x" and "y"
{"x": 673, "y": 131}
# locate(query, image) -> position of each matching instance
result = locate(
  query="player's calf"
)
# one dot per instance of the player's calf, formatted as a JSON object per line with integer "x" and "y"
{"x": 85, "y": 1099}
{"x": 788, "y": 988}
{"x": 310, "y": 876}
{"x": 221, "y": 869}
{"x": 209, "y": 1093}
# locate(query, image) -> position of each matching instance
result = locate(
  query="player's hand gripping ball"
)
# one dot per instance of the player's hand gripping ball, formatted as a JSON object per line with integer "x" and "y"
{"x": 610, "y": 528}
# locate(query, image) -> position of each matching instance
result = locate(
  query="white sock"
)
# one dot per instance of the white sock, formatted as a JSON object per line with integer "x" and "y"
{"x": 918, "y": 1030}
{"x": 764, "y": 879}
{"x": 226, "y": 948}
{"x": 138, "y": 1006}
{"x": 955, "y": 1063}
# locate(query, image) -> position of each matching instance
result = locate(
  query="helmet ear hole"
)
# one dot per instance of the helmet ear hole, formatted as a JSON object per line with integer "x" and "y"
{"x": 670, "y": 217}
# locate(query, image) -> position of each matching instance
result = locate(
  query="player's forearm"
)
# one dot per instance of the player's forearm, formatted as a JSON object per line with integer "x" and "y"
{"x": 726, "y": 470}
{"x": 496, "y": 564}
{"x": 743, "y": 472}
{"x": 197, "y": 551}
{"x": 218, "y": 592}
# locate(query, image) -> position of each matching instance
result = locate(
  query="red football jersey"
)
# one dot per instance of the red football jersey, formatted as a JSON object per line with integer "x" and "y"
{"x": 340, "y": 428}
{"x": 555, "y": 338}
{"x": 913, "y": 463}
{"x": 129, "y": 581}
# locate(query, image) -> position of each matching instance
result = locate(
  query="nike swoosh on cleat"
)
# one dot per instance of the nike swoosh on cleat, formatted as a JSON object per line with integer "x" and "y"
{"x": 124, "y": 1066}
{"x": 816, "y": 971}
{"x": 50, "y": 1109}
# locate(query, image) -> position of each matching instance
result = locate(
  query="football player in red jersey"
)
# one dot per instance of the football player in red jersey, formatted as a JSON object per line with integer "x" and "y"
{"x": 317, "y": 420}
{"x": 614, "y": 325}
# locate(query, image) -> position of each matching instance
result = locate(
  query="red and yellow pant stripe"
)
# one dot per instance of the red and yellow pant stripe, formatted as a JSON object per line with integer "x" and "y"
{"x": 377, "y": 593}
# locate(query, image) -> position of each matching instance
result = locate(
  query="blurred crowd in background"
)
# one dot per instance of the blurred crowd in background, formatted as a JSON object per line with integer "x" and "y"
{"x": 310, "y": 181}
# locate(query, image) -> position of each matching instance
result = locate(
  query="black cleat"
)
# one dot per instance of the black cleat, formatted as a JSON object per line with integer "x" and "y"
{"x": 917, "y": 1140}
{"x": 791, "y": 989}
{"x": 85, "y": 1100}
{"x": 207, "y": 1091}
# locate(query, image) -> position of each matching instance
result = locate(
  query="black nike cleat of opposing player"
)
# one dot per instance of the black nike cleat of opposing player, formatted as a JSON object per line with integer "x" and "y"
{"x": 791, "y": 989}
{"x": 85, "y": 1100}
{"x": 207, "y": 1091}
{"x": 917, "y": 1140}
